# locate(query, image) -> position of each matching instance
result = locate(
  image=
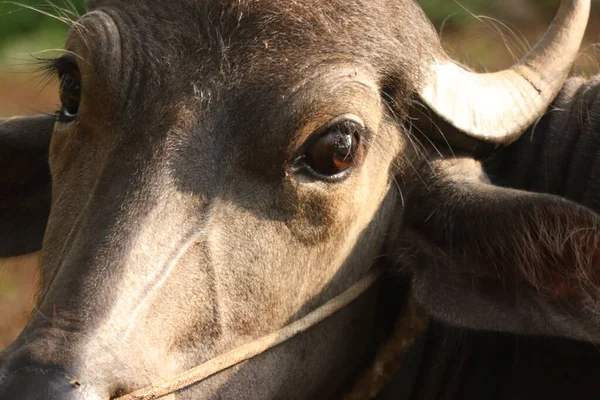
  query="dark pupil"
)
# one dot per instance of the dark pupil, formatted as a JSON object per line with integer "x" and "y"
{"x": 70, "y": 91}
{"x": 332, "y": 153}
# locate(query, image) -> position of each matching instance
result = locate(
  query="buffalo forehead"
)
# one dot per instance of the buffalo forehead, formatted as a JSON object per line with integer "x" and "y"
{"x": 237, "y": 61}
{"x": 205, "y": 38}
{"x": 225, "y": 43}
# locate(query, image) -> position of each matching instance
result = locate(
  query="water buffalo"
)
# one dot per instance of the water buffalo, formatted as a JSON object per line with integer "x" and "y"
{"x": 218, "y": 169}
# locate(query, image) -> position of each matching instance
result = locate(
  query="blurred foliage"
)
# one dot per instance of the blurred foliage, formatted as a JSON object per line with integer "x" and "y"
{"x": 458, "y": 12}
{"x": 33, "y": 25}
{"x": 24, "y": 30}
{"x": 18, "y": 19}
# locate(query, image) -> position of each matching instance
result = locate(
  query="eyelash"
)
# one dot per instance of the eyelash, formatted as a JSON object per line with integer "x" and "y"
{"x": 51, "y": 69}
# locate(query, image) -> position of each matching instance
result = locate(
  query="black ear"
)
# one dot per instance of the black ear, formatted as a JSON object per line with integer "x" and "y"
{"x": 543, "y": 245}
{"x": 25, "y": 183}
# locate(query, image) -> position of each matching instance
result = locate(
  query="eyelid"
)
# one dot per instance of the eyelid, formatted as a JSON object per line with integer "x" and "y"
{"x": 66, "y": 64}
{"x": 298, "y": 154}
{"x": 344, "y": 118}
{"x": 340, "y": 119}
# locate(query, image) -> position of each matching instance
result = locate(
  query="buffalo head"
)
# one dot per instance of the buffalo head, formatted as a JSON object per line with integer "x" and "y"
{"x": 217, "y": 169}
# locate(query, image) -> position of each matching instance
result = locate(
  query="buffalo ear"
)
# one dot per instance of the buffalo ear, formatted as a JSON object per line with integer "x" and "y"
{"x": 460, "y": 221}
{"x": 25, "y": 183}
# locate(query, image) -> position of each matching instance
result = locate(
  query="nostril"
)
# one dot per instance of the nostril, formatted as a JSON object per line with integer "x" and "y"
{"x": 75, "y": 383}
{"x": 33, "y": 383}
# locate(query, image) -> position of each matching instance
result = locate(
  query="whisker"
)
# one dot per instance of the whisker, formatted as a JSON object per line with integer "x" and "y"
{"x": 67, "y": 22}
{"x": 65, "y": 12}
{"x": 63, "y": 16}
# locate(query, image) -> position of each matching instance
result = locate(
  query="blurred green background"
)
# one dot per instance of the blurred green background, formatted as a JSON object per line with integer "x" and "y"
{"x": 484, "y": 43}
{"x": 24, "y": 31}
{"x": 22, "y": 24}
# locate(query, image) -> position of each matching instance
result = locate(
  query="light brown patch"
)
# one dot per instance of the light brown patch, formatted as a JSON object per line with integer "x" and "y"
{"x": 18, "y": 285}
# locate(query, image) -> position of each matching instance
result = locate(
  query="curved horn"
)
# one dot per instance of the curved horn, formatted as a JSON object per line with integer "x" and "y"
{"x": 498, "y": 107}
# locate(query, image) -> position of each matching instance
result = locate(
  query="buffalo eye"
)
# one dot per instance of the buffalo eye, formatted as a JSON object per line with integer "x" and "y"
{"x": 70, "y": 95}
{"x": 334, "y": 149}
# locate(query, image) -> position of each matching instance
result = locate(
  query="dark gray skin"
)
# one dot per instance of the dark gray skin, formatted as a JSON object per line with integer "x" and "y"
{"x": 559, "y": 157}
{"x": 535, "y": 249}
{"x": 182, "y": 224}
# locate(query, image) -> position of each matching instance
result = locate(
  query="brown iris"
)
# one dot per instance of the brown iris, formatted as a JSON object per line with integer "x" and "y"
{"x": 334, "y": 151}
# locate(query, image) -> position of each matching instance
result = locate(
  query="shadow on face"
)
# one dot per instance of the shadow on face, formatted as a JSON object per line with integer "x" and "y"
{"x": 219, "y": 169}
